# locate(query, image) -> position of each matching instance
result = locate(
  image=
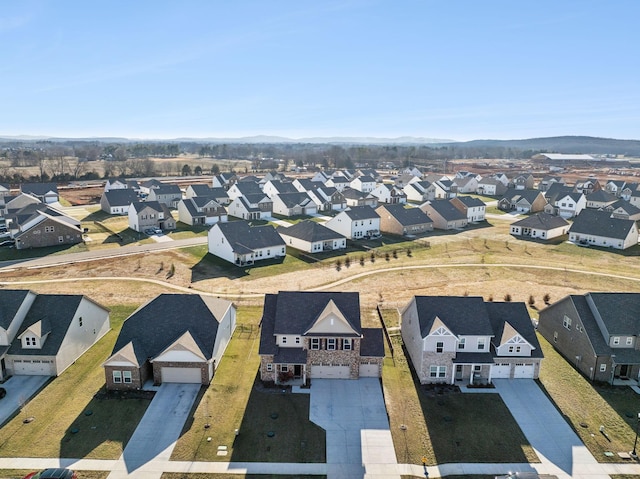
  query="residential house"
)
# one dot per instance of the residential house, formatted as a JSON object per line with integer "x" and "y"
{"x": 45, "y": 192}
{"x": 326, "y": 198}
{"x": 420, "y": 191}
{"x": 168, "y": 195}
{"x": 366, "y": 184}
{"x": 311, "y": 237}
{"x": 174, "y": 338}
{"x": 502, "y": 178}
{"x": 465, "y": 339}
{"x": 411, "y": 170}
{"x": 466, "y": 184}
{"x": 356, "y": 222}
{"x": 275, "y": 175}
{"x": 390, "y": 194}
{"x": 244, "y": 188}
{"x": 340, "y": 183}
{"x": 44, "y": 334}
{"x": 548, "y": 180}
{"x": 294, "y": 204}
{"x": 566, "y": 204}
{"x": 600, "y": 199}
{"x": 148, "y": 185}
{"x": 474, "y": 208}
{"x": 598, "y": 228}
{"x": 200, "y": 211}
{"x": 597, "y": 333}
{"x": 405, "y": 179}
{"x": 116, "y": 201}
{"x": 150, "y": 214}
{"x": 628, "y": 191}
{"x": 624, "y": 210}
{"x": 14, "y": 204}
{"x": 115, "y": 184}
{"x": 490, "y": 186}
{"x": 224, "y": 180}
{"x": 219, "y": 194}
{"x": 370, "y": 172}
{"x": 615, "y": 187}
{"x": 39, "y": 225}
{"x": 276, "y": 187}
{"x": 321, "y": 176}
{"x": 251, "y": 207}
{"x": 314, "y": 335}
{"x": 524, "y": 181}
{"x": 358, "y": 198}
{"x": 398, "y": 220}
{"x": 634, "y": 199}
{"x": 540, "y": 226}
{"x": 241, "y": 244}
{"x": 445, "y": 189}
{"x": 444, "y": 214}
{"x": 522, "y": 201}
{"x": 588, "y": 186}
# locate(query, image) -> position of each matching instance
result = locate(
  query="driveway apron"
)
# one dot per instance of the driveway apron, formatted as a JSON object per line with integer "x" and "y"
{"x": 353, "y": 414}
{"x": 155, "y": 437}
{"x": 555, "y": 443}
{"x": 19, "y": 390}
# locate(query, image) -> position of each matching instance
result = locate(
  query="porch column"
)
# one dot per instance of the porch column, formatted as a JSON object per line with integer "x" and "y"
{"x": 471, "y": 375}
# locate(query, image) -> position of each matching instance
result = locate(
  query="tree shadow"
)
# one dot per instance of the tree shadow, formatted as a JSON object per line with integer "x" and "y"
{"x": 276, "y": 428}
{"x": 210, "y": 267}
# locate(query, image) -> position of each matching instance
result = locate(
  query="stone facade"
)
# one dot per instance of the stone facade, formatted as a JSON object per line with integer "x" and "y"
{"x": 138, "y": 377}
{"x": 335, "y": 357}
{"x": 48, "y": 233}
{"x": 157, "y": 369}
{"x": 435, "y": 359}
{"x": 268, "y": 376}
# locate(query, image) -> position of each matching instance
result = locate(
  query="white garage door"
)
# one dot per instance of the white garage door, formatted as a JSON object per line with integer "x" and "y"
{"x": 329, "y": 372}
{"x": 369, "y": 371}
{"x": 32, "y": 367}
{"x": 501, "y": 371}
{"x": 523, "y": 371}
{"x": 181, "y": 375}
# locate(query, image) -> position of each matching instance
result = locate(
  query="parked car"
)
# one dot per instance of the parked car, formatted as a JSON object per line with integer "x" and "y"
{"x": 53, "y": 473}
{"x": 150, "y": 231}
{"x": 9, "y": 242}
{"x": 157, "y": 231}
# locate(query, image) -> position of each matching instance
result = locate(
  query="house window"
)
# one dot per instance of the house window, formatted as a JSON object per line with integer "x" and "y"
{"x": 477, "y": 367}
{"x": 331, "y": 344}
{"x": 629, "y": 341}
{"x": 30, "y": 341}
{"x": 346, "y": 344}
{"x": 566, "y": 322}
{"x": 437, "y": 371}
{"x": 284, "y": 368}
{"x": 603, "y": 368}
{"x": 80, "y": 321}
{"x": 481, "y": 344}
{"x": 461, "y": 343}
{"x": 117, "y": 376}
{"x": 284, "y": 340}
{"x": 49, "y": 229}
{"x": 315, "y": 343}
{"x": 616, "y": 341}
{"x": 269, "y": 367}
{"x": 517, "y": 349}
{"x": 439, "y": 347}
{"x": 126, "y": 376}
{"x": 297, "y": 339}
{"x": 60, "y": 239}
{"x": 510, "y": 349}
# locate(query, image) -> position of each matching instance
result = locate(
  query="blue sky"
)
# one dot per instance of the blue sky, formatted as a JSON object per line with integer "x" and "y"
{"x": 438, "y": 69}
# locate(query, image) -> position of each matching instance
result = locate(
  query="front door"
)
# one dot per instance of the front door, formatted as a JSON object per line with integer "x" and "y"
{"x": 297, "y": 371}
{"x": 624, "y": 370}
{"x": 458, "y": 372}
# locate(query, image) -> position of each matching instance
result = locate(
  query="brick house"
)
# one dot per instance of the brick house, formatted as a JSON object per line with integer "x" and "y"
{"x": 307, "y": 335}
{"x": 174, "y": 338}
{"x": 39, "y": 225}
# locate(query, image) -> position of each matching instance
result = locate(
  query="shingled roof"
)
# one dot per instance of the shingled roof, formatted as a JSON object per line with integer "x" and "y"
{"x": 541, "y": 221}
{"x": 600, "y": 223}
{"x": 244, "y": 238}
{"x": 310, "y": 231}
{"x": 405, "y": 216}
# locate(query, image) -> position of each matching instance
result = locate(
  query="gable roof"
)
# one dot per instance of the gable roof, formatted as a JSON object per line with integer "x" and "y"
{"x": 556, "y": 190}
{"x": 600, "y": 223}
{"x": 470, "y": 201}
{"x": 310, "y": 231}
{"x": 291, "y": 200}
{"x": 602, "y": 196}
{"x": 297, "y": 311}
{"x": 283, "y": 187}
{"x": 244, "y": 238}
{"x": 627, "y": 207}
{"x": 445, "y": 209}
{"x": 120, "y": 197}
{"x": 164, "y": 319}
{"x": 542, "y": 221}
{"x": 39, "y": 189}
{"x": 202, "y": 189}
{"x": 516, "y": 315}
{"x": 56, "y": 309}
{"x": 514, "y": 195}
{"x": 10, "y": 302}
{"x": 166, "y": 189}
{"x": 405, "y": 216}
{"x": 619, "y": 311}
{"x": 154, "y": 205}
{"x": 462, "y": 315}
{"x": 248, "y": 188}
{"x": 361, "y": 213}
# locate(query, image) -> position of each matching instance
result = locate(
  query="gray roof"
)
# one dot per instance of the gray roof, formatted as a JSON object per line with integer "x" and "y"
{"x": 310, "y": 231}
{"x": 55, "y": 309}
{"x": 372, "y": 344}
{"x": 244, "y": 238}
{"x": 405, "y": 216}
{"x": 515, "y": 195}
{"x": 283, "y": 187}
{"x": 600, "y": 223}
{"x": 365, "y": 179}
{"x": 192, "y": 204}
{"x": 38, "y": 189}
{"x": 626, "y": 206}
{"x": 353, "y": 194}
{"x": 516, "y": 315}
{"x": 556, "y": 190}
{"x": 160, "y": 322}
{"x": 619, "y": 311}
{"x": 203, "y": 190}
{"x": 10, "y": 302}
{"x": 602, "y": 196}
{"x": 120, "y": 197}
{"x": 154, "y": 205}
{"x": 248, "y": 188}
{"x": 445, "y": 209}
{"x": 542, "y": 221}
{"x": 455, "y": 312}
{"x": 470, "y": 201}
{"x": 299, "y": 198}
{"x": 168, "y": 190}
{"x": 361, "y": 212}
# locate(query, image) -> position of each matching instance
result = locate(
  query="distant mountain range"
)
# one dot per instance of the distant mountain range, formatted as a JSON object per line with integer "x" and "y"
{"x": 557, "y": 144}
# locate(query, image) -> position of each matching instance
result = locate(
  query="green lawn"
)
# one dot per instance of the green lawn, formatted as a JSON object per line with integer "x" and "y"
{"x": 448, "y": 428}
{"x": 232, "y": 402}
{"x": 62, "y": 407}
{"x": 582, "y": 402}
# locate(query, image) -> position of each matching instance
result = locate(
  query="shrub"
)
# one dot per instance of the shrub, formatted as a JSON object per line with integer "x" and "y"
{"x": 507, "y": 297}
{"x": 347, "y": 262}
{"x": 338, "y": 265}
{"x": 387, "y": 257}
{"x": 532, "y": 300}
{"x": 546, "y": 298}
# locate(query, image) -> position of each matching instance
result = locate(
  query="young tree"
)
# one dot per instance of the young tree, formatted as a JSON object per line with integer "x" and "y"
{"x": 507, "y": 297}
{"x": 546, "y": 298}
{"x": 532, "y": 300}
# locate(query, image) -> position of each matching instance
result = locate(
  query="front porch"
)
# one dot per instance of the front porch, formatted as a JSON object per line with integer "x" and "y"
{"x": 291, "y": 367}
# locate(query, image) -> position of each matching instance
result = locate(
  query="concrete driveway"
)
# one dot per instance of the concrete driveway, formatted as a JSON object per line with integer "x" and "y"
{"x": 558, "y": 447}
{"x": 354, "y": 416}
{"x": 154, "y": 439}
{"x": 19, "y": 390}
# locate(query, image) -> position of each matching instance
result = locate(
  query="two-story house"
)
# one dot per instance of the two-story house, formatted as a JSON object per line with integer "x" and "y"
{"x": 200, "y": 211}
{"x": 389, "y": 194}
{"x": 168, "y": 195}
{"x": 150, "y": 214}
{"x": 309, "y": 335}
{"x": 357, "y": 222}
{"x": 597, "y": 333}
{"x": 465, "y": 339}
{"x": 241, "y": 244}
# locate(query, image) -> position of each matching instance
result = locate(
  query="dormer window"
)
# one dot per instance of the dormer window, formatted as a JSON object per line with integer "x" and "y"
{"x": 30, "y": 341}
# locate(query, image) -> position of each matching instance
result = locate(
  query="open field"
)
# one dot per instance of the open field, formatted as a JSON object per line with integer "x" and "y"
{"x": 17, "y": 473}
